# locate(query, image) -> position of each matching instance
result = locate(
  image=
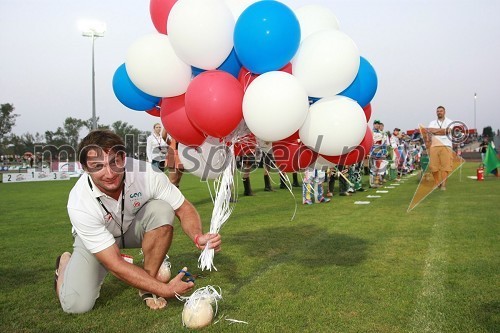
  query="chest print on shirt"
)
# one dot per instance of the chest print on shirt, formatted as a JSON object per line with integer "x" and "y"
{"x": 135, "y": 200}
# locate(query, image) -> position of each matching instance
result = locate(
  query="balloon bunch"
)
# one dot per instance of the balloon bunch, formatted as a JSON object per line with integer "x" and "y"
{"x": 292, "y": 76}
{"x": 223, "y": 71}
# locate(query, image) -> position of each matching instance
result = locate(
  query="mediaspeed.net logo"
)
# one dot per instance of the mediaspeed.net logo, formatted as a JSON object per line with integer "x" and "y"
{"x": 457, "y": 132}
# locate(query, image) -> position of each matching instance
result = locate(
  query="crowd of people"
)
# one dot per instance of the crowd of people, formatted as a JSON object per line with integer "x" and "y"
{"x": 391, "y": 156}
{"x": 28, "y": 160}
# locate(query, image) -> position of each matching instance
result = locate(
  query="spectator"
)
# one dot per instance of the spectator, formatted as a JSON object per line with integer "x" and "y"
{"x": 312, "y": 188}
{"x": 156, "y": 148}
{"x": 483, "y": 148}
{"x": 441, "y": 155}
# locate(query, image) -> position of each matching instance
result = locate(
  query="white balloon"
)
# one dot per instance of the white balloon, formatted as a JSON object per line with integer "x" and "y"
{"x": 238, "y": 6}
{"x": 198, "y": 315}
{"x": 201, "y": 32}
{"x": 334, "y": 126}
{"x": 164, "y": 273}
{"x": 326, "y": 63}
{"x": 314, "y": 18}
{"x": 206, "y": 161}
{"x": 155, "y": 69}
{"x": 275, "y": 105}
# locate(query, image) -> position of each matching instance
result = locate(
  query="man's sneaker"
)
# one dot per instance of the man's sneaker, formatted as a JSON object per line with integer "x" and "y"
{"x": 307, "y": 202}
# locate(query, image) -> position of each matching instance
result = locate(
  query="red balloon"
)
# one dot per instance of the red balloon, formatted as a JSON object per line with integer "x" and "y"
{"x": 214, "y": 103}
{"x": 368, "y": 111}
{"x": 245, "y": 77}
{"x": 357, "y": 154}
{"x": 159, "y": 11}
{"x": 287, "y": 68}
{"x": 292, "y": 157}
{"x": 177, "y": 123}
{"x": 246, "y": 145}
{"x": 294, "y": 138}
{"x": 155, "y": 112}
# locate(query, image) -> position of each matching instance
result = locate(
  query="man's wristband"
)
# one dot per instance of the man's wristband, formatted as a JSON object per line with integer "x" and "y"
{"x": 196, "y": 240}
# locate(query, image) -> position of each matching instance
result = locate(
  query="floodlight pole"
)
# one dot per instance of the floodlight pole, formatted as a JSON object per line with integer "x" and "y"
{"x": 93, "y": 34}
{"x": 475, "y": 99}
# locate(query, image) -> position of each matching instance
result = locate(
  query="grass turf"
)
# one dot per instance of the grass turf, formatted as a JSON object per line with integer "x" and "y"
{"x": 337, "y": 267}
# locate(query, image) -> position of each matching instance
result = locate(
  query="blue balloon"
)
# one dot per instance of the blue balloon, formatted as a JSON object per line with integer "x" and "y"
{"x": 129, "y": 95}
{"x": 313, "y": 100}
{"x": 266, "y": 36}
{"x": 364, "y": 86}
{"x": 231, "y": 65}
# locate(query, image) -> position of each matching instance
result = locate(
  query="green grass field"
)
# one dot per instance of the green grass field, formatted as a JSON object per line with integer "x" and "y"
{"x": 337, "y": 267}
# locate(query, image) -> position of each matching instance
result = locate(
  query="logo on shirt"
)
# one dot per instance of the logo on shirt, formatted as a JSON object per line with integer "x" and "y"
{"x": 135, "y": 195}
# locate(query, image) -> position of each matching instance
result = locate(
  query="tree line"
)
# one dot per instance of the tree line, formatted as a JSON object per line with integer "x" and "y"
{"x": 66, "y": 135}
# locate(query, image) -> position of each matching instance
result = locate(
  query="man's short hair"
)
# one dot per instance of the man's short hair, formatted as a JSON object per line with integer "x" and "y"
{"x": 440, "y": 107}
{"x": 100, "y": 140}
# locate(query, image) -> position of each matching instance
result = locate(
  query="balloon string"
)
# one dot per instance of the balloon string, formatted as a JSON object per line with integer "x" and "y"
{"x": 288, "y": 185}
{"x": 222, "y": 210}
{"x": 247, "y": 78}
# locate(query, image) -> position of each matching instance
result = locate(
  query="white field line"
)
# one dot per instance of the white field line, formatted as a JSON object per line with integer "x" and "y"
{"x": 428, "y": 316}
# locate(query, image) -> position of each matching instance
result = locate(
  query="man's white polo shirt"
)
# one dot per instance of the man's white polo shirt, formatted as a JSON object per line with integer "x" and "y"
{"x": 91, "y": 222}
{"x": 441, "y": 140}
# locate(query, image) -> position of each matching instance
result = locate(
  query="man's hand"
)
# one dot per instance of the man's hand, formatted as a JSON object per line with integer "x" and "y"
{"x": 214, "y": 241}
{"x": 178, "y": 286}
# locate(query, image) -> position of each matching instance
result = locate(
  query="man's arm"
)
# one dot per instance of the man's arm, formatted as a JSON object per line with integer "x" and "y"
{"x": 191, "y": 224}
{"x": 138, "y": 277}
{"x": 434, "y": 129}
{"x": 437, "y": 131}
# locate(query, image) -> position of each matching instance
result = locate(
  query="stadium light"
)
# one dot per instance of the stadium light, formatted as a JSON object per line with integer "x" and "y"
{"x": 93, "y": 29}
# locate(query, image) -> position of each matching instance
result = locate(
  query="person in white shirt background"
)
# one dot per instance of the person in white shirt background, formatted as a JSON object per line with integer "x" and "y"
{"x": 156, "y": 148}
{"x": 441, "y": 153}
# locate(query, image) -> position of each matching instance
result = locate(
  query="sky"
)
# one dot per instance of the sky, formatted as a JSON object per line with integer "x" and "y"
{"x": 425, "y": 53}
